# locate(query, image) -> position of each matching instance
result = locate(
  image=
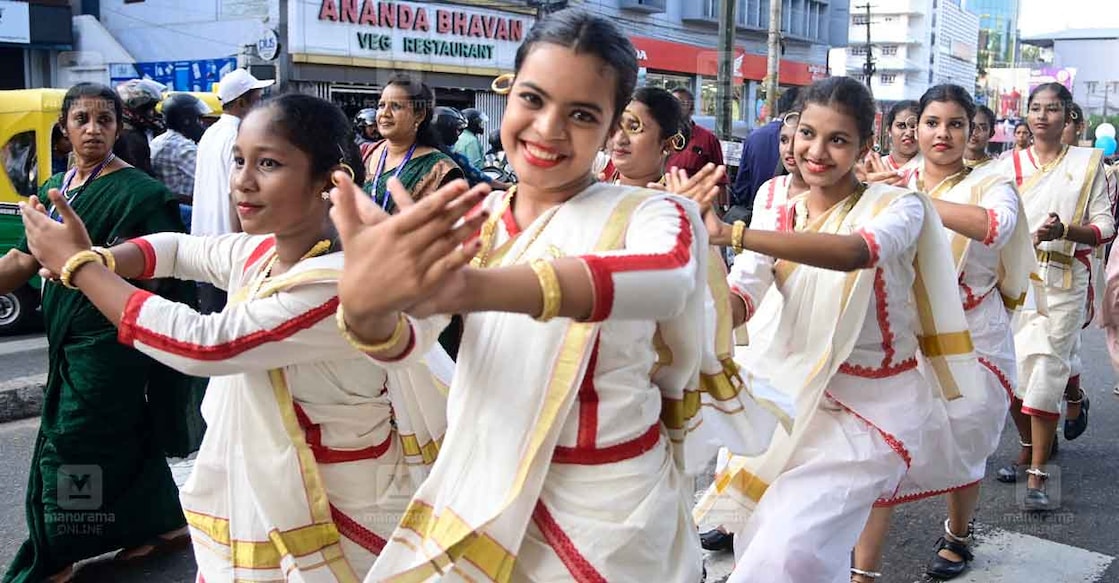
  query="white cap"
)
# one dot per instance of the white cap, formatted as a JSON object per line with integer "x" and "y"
{"x": 237, "y": 83}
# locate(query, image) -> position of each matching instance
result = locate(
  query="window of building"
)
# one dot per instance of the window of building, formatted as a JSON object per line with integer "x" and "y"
{"x": 890, "y": 18}
{"x": 889, "y": 50}
{"x": 859, "y": 19}
{"x": 858, "y": 50}
{"x": 887, "y": 79}
{"x": 706, "y": 101}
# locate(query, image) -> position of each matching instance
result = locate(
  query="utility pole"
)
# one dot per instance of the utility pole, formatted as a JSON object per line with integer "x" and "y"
{"x": 724, "y": 93}
{"x": 773, "y": 63}
{"x": 868, "y": 67}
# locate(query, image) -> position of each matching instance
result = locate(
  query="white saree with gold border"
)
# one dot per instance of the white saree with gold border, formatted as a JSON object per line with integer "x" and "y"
{"x": 1073, "y": 186}
{"x": 567, "y": 441}
{"x": 312, "y": 450}
{"x": 993, "y": 276}
{"x": 844, "y": 346}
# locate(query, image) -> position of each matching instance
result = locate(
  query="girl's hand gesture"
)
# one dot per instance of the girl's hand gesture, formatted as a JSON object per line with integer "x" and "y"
{"x": 703, "y": 188}
{"x": 52, "y": 242}
{"x": 396, "y": 261}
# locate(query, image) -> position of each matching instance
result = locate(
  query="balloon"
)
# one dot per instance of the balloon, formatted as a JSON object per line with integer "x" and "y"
{"x": 1105, "y": 130}
{"x": 1107, "y": 144}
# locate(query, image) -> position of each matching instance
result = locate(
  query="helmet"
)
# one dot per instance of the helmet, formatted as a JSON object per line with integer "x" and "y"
{"x": 182, "y": 111}
{"x": 476, "y": 119}
{"x": 366, "y": 117}
{"x": 448, "y": 123}
{"x": 140, "y": 96}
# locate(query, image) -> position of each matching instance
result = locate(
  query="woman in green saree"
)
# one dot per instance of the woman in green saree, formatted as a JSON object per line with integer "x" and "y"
{"x": 410, "y": 150}
{"x": 99, "y": 480}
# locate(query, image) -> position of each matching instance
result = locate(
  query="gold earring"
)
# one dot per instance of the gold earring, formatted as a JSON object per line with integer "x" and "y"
{"x": 677, "y": 141}
{"x": 502, "y": 84}
{"x": 345, "y": 168}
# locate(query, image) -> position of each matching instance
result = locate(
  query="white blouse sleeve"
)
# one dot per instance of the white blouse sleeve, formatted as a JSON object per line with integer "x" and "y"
{"x": 1001, "y": 203}
{"x": 894, "y": 230}
{"x": 653, "y": 276}
{"x": 209, "y": 260}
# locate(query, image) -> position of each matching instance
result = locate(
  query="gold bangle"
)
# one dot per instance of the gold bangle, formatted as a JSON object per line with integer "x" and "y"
{"x": 736, "y": 233}
{"x": 549, "y": 288}
{"x": 75, "y": 262}
{"x": 398, "y": 333}
{"x": 107, "y": 258}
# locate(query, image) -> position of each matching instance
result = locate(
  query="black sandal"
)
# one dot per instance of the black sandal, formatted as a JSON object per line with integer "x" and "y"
{"x": 1011, "y": 473}
{"x": 1075, "y": 427}
{"x": 945, "y": 569}
{"x": 1036, "y": 499}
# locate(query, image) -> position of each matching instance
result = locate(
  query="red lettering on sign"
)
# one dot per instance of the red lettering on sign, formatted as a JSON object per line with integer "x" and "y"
{"x": 421, "y": 20}
{"x": 461, "y": 24}
{"x": 405, "y": 18}
{"x": 368, "y": 13}
{"x": 502, "y": 32}
{"x": 349, "y": 11}
{"x": 388, "y": 15}
{"x": 516, "y": 31}
{"x": 476, "y": 26}
{"x": 328, "y": 11}
{"x": 442, "y": 21}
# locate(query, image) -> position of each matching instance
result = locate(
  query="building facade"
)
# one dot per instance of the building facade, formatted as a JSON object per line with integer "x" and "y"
{"x": 998, "y": 31}
{"x": 914, "y": 45}
{"x": 33, "y": 37}
{"x": 1084, "y": 59}
{"x": 345, "y": 50}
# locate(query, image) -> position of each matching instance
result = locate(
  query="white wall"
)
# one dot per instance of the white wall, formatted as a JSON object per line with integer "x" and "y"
{"x": 173, "y": 30}
{"x": 1094, "y": 60}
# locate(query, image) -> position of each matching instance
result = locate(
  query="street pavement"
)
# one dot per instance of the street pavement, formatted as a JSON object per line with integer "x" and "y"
{"x": 1075, "y": 544}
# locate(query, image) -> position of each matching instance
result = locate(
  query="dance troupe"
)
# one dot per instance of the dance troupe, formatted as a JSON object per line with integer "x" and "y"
{"x": 862, "y": 351}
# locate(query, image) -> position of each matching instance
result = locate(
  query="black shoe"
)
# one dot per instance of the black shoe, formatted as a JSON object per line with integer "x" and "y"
{"x": 944, "y": 569}
{"x": 1075, "y": 427}
{"x": 717, "y": 540}
{"x": 1009, "y": 474}
{"x": 1036, "y": 500}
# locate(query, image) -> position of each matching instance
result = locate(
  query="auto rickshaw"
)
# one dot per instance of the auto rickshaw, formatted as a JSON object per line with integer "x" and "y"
{"x": 27, "y": 118}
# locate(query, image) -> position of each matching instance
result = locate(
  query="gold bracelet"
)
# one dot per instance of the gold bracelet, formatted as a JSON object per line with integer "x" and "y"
{"x": 398, "y": 333}
{"x": 736, "y": 233}
{"x": 107, "y": 258}
{"x": 75, "y": 262}
{"x": 549, "y": 288}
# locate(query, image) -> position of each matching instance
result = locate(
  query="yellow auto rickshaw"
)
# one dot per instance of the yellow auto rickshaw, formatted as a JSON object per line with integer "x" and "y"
{"x": 27, "y": 118}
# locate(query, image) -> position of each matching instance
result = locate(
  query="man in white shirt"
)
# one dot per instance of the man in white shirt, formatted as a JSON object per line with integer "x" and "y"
{"x": 213, "y": 208}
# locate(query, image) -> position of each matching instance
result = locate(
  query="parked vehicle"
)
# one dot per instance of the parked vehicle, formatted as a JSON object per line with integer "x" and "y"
{"x": 27, "y": 117}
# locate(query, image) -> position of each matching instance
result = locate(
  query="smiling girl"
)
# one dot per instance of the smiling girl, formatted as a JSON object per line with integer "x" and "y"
{"x": 1063, "y": 189}
{"x": 863, "y": 275}
{"x": 304, "y": 468}
{"x": 577, "y": 382}
{"x": 993, "y": 255}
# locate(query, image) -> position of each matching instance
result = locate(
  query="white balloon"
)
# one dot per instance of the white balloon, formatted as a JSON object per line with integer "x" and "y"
{"x": 1105, "y": 129}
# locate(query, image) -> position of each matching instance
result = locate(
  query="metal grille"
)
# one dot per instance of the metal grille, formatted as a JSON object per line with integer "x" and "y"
{"x": 493, "y": 105}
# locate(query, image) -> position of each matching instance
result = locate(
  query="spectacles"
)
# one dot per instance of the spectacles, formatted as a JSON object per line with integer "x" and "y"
{"x": 982, "y": 127}
{"x": 909, "y": 123}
